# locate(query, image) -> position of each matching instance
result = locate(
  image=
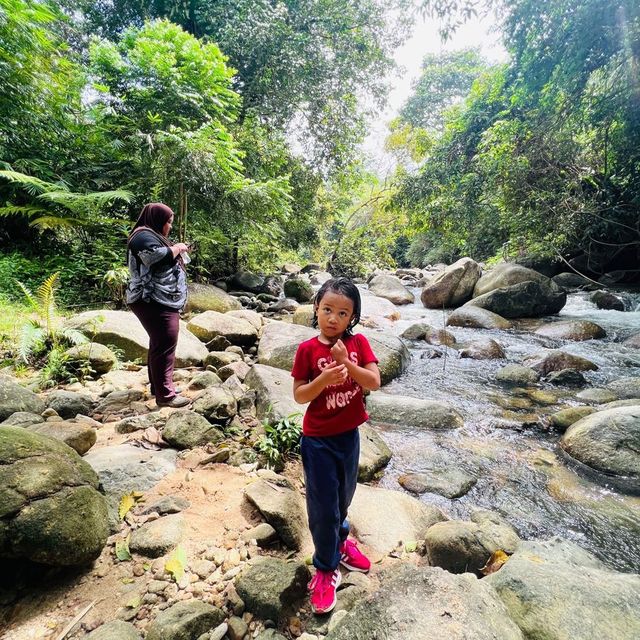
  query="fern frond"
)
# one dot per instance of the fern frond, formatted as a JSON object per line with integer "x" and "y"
{"x": 77, "y": 202}
{"x": 73, "y": 336}
{"x": 46, "y": 299}
{"x": 26, "y": 210}
{"x": 30, "y": 184}
{"x": 30, "y": 335}
{"x": 55, "y": 222}
{"x": 28, "y": 296}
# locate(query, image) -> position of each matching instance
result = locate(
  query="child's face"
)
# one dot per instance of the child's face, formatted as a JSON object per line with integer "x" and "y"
{"x": 334, "y": 313}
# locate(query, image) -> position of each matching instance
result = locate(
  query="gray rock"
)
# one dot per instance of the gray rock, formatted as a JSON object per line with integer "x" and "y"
{"x": 374, "y": 454}
{"x": 299, "y": 289}
{"x": 239, "y": 369}
{"x": 517, "y": 375}
{"x": 271, "y": 587}
{"x": 115, "y": 630}
{"x": 185, "y": 621}
{"x": 50, "y": 509}
{"x": 187, "y": 429}
{"x": 453, "y": 286}
{"x": 570, "y": 281}
{"x": 123, "y": 330}
{"x": 22, "y": 419}
{"x": 567, "y": 377}
{"x": 281, "y": 506}
{"x": 487, "y": 349}
{"x": 222, "y": 358}
{"x": 415, "y": 603}
{"x": 524, "y": 300}
{"x": 369, "y": 518}
{"x": 167, "y": 504}
{"x": 448, "y": 482}
{"x": 14, "y": 397}
{"x": 414, "y": 412}
{"x": 460, "y": 546}
{"x": 506, "y": 275}
{"x": 264, "y": 534}
{"x": 606, "y": 300}
{"x": 204, "y": 379}
{"x": 118, "y": 400}
{"x": 274, "y": 395}
{"x": 247, "y": 281}
{"x": 67, "y": 404}
{"x": 210, "y": 324}
{"x": 477, "y": 318}
{"x": 154, "y": 539}
{"x": 140, "y": 422}
{"x": 206, "y": 297}
{"x": 597, "y": 396}
{"x": 320, "y": 277}
{"x": 285, "y": 304}
{"x": 608, "y": 441}
{"x": 303, "y": 315}
{"x": 563, "y": 419}
{"x": 237, "y": 628}
{"x": 554, "y": 360}
{"x": 555, "y": 590}
{"x": 633, "y": 341}
{"x": 100, "y": 358}
{"x": 216, "y": 404}
{"x": 252, "y": 317}
{"x": 626, "y": 388}
{"x": 78, "y": 435}
{"x": 416, "y": 331}
{"x": 390, "y": 288}
{"x": 577, "y": 330}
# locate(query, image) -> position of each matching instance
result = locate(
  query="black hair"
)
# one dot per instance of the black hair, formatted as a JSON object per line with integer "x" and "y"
{"x": 344, "y": 287}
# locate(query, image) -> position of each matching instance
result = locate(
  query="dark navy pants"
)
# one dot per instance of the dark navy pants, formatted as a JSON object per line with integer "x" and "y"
{"x": 331, "y": 474}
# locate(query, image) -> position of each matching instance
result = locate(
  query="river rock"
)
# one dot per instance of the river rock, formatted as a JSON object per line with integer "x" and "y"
{"x": 274, "y": 393}
{"x": 123, "y": 330}
{"x": 487, "y": 349}
{"x": 14, "y": 397}
{"x": 211, "y": 324}
{"x": 100, "y": 358}
{"x": 238, "y": 369}
{"x": 369, "y": 516}
{"x": 376, "y": 308}
{"x": 219, "y": 359}
{"x": 320, "y": 277}
{"x": 555, "y": 590}
{"x": 186, "y": 620}
{"x": 299, "y": 289}
{"x": 453, "y": 286}
{"x": 393, "y": 355}
{"x": 216, "y": 404}
{"x": 303, "y": 315}
{"x": 166, "y": 505}
{"x": 477, "y": 318}
{"x": 416, "y": 331}
{"x": 506, "y": 275}
{"x": 523, "y": 300}
{"x": 22, "y": 419}
{"x": 272, "y": 586}
{"x": 570, "y": 281}
{"x": 448, "y": 482}
{"x": 415, "y": 603}
{"x": 187, "y": 429}
{"x": 203, "y": 380}
{"x": 576, "y": 330}
{"x": 547, "y": 361}
{"x": 118, "y": 401}
{"x": 633, "y": 341}
{"x": 459, "y": 546}
{"x": 625, "y": 388}
{"x": 390, "y": 287}
{"x": 608, "y": 441}
{"x": 78, "y": 435}
{"x": 50, "y": 508}
{"x": 566, "y": 377}
{"x": 115, "y": 630}
{"x": 154, "y": 539}
{"x": 439, "y": 337}
{"x": 563, "y": 419}
{"x": 206, "y": 297}
{"x": 282, "y": 507}
{"x": 414, "y": 412}
{"x": 247, "y": 281}
{"x": 374, "y": 454}
{"x": 517, "y": 375}
{"x": 252, "y": 317}
{"x": 606, "y": 300}
{"x": 68, "y": 404}
{"x": 597, "y": 396}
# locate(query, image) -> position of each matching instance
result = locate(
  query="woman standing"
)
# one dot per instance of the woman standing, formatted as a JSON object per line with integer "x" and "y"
{"x": 156, "y": 293}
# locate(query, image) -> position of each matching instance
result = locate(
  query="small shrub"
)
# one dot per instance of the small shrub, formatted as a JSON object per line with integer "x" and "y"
{"x": 281, "y": 440}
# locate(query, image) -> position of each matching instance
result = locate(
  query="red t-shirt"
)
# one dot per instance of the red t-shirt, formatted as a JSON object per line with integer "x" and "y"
{"x": 338, "y": 408}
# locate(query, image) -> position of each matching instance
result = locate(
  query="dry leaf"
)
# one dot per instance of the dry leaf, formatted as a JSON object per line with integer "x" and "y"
{"x": 122, "y": 549}
{"x": 127, "y": 502}
{"x": 176, "y": 563}
{"x": 494, "y": 563}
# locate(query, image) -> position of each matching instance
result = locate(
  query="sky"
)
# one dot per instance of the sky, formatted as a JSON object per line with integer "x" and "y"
{"x": 478, "y": 32}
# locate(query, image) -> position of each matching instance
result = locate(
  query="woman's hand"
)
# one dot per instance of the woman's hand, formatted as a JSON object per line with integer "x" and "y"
{"x": 178, "y": 249}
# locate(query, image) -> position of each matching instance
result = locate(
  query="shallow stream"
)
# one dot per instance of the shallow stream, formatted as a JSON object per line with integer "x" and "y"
{"x": 523, "y": 474}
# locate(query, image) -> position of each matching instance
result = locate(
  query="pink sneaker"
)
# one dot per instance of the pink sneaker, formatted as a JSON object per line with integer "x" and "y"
{"x": 352, "y": 558}
{"x": 323, "y": 590}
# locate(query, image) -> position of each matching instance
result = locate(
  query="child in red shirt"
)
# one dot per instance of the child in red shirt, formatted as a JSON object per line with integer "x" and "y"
{"x": 330, "y": 372}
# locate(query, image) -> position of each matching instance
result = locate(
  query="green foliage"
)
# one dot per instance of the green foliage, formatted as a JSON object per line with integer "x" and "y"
{"x": 281, "y": 440}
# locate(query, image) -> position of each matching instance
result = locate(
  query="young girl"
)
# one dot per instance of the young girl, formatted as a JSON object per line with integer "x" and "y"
{"x": 330, "y": 372}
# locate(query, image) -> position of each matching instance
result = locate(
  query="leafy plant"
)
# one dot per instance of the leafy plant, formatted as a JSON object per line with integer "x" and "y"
{"x": 281, "y": 440}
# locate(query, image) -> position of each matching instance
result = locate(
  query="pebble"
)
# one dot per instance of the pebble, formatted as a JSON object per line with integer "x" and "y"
{"x": 219, "y": 632}
{"x": 150, "y": 598}
{"x": 138, "y": 570}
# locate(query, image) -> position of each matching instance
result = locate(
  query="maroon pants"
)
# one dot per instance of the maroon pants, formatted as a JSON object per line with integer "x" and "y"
{"x": 162, "y": 325}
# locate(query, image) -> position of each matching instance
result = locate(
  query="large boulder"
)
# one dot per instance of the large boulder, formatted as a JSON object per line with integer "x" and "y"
{"x": 570, "y": 281}
{"x": 185, "y": 621}
{"x": 576, "y": 330}
{"x": 412, "y": 412}
{"x": 211, "y": 324}
{"x": 374, "y": 454}
{"x": 608, "y": 441}
{"x": 633, "y": 342}
{"x": 77, "y": 434}
{"x": 555, "y": 591}
{"x": 547, "y": 361}
{"x": 506, "y": 275}
{"x": 124, "y": 331}
{"x": 14, "y": 397}
{"x": 50, "y": 508}
{"x": 154, "y": 539}
{"x": 390, "y": 287}
{"x": 100, "y": 358}
{"x": 217, "y": 404}
{"x": 369, "y": 516}
{"x": 247, "y": 281}
{"x": 483, "y": 349}
{"x": 523, "y": 300}
{"x": 626, "y": 388}
{"x": 448, "y": 481}
{"x": 187, "y": 429}
{"x": 393, "y": 355}
{"x": 416, "y": 603}
{"x": 274, "y": 393}
{"x": 299, "y": 289}
{"x": 477, "y": 318}
{"x": 453, "y": 286}
{"x": 68, "y": 404}
{"x": 206, "y": 297}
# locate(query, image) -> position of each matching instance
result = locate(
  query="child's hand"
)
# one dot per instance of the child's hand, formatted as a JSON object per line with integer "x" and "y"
{"x": 334, "y": 374}
{"x": 339, "y": 352}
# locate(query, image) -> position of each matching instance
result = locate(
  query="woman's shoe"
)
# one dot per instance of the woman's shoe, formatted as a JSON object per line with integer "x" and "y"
{"x": 176, "y": 402}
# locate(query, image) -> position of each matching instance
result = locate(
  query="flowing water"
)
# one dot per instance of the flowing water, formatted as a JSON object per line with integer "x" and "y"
{"x": 523, "y": 474}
